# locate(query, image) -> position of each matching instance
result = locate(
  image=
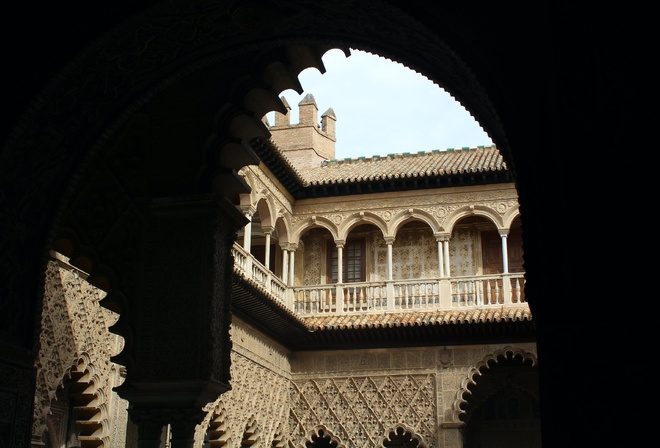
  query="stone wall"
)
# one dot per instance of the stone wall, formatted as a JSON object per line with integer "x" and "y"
{"x": 277, "y": 396}
{"x": 360, "y": 396}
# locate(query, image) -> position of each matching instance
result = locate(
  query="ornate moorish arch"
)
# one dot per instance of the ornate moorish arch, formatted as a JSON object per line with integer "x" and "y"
{"x": 266, "y": 209}
{"x": 477, "y": 210}
{"x": 509, "y": 218}
{"x": 97, "y": 107}
{"x": 75, "y": 352}
{"x": 411, "y": 214}
{"x": 301, "y": 227}
{"x": 475, "y": 372}
{"x": 217, "y": 433}
{"x": 261, "y": 191}
{"x": 232, "y": 116}
{"x": 283, "y": 229}
{"x": 322, "y": 437}
{"x": 85, "y": 403}
{"x": 402, "y": 435}
{"x": 358, "y": 218}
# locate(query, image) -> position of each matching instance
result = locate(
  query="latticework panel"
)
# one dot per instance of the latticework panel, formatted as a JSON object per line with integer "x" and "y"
{"x": 359, "y": 410}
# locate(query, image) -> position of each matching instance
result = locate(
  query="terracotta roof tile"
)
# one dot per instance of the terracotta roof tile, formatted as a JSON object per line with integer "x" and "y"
{"x": 419, "y": 318}
{"x": 406, "y": 165}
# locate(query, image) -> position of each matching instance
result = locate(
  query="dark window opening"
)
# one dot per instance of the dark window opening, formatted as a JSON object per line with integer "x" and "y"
{"x": 400, "y": 439}
{"x": 353, "y": 261}
{"x": 323, "y": 440}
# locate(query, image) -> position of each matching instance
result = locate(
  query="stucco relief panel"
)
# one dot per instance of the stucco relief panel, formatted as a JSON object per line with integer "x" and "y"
{"x": 313, "y": 255}
{"x": 259, "y": 395}
{"x": 260, "y": 375}
{"x": 415, "y": 253}
{"x": 377, "y": 250}
{"x": 464, "y": 259}
{"x": 75, "y": 325}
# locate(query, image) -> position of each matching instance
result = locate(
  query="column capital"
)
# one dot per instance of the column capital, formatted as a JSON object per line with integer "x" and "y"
{"x": 340, "y": 243}
{"x": 248, "y": 210}
{"x": 441, "y": 237}
{"x": 389, "y": 239}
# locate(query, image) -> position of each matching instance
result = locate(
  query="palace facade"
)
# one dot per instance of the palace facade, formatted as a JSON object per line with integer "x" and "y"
{"x": 126, "y": 125}
{"x": 376, "y": 301}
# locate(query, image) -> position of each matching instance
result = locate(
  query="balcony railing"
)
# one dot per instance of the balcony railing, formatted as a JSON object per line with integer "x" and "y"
{"x": 251, "y": 268}
{"x": 494, "y": 290}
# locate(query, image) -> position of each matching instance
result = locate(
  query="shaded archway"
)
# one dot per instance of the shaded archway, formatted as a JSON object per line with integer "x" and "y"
{"x": 503, "y": 406}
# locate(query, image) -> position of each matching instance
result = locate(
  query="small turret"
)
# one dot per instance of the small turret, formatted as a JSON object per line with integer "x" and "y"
{"x": 328, "y": 120}
{"x": 308, "y": 143}
{"x": 283, "y": 119}
{"x": 308, "y": 111}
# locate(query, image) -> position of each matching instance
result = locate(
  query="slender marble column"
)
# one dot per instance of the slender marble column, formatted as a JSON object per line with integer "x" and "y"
{"x": 390, "y": 242}
{"x": 340, "y": 262}
{"x": 285, "y": 265}
{"x": 247, "y": 230}
{"x": 267, "y": 260}
{"x": 292, "y": 264}
{"x": 441, "y": 263}
{"x": 505, "y": 253}
{"x": 445, "y": 244}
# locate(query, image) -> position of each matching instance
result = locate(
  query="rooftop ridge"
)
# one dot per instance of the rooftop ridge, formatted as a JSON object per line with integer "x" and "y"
{"x": 404, "y": 154}
{"x": 486, "y": 160}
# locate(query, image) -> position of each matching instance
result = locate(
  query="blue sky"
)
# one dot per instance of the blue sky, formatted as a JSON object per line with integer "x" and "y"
{"x": 382, "y": 107}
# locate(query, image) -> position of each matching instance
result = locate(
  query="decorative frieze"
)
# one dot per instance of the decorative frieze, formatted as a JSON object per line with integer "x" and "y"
{"x": 438, "y": 210}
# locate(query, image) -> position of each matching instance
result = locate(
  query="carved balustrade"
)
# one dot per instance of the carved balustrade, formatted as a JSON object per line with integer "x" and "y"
{"x": 493, "y": 290}
{"x": 253, "y": 269}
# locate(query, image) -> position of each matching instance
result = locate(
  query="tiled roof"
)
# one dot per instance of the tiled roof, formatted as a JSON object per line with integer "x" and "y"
{"x": 419, "y": 318}
{"x": 406, "y": 165}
